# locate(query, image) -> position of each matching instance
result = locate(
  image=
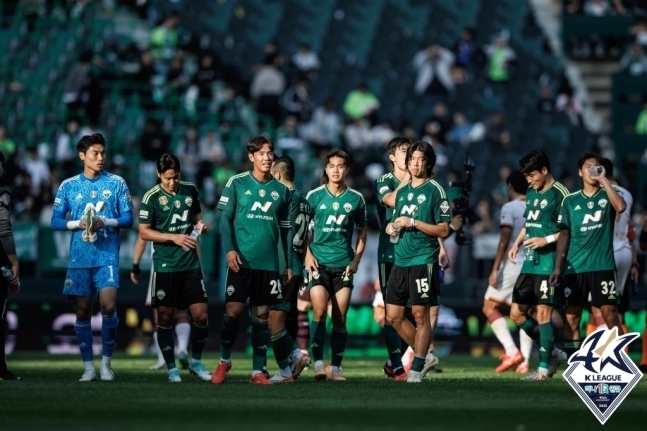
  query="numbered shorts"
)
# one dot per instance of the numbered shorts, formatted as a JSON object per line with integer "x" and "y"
{"x": 601, "y": 285}
{"x": 260, "y": 286}
{"x": 178, "y": 289}
{"x": 290, "y": 291}
{"x": 332, "y": 279}
{"x": 87, "y": 282}
{"x": 418, "y": 284}
{"x": 506, "y": 279}
{"x": 534, "y": 289}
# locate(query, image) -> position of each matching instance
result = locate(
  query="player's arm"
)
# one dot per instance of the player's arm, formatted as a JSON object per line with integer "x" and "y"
{"x": 361, "y": 222}
{"x": 287, "y": 219}
{"x": 147, "y": 233}
{"x": 227, "y": 204}
{"x": 387, "y": 198}
{"x": 138, "y": 252}
{"x": 617, "y": 202}
{"x": 443, "y": 256}
{"x": 514, "y": 248}
{"x": 124, "y": 219}
{"x": 563, "y": 241}
{"x": 59, "y": 211}
{"x": 502, "y": 247}
{"x": 6, "y": 235}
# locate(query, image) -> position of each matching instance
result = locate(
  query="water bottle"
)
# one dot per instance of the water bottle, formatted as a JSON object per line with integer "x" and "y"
{"x": 8, "y": 275}
{"x": 194, "y": 234}
{"x": 528, "y": 253}
{"x": 441, "y": 274}
{"x": 395, "y": 238}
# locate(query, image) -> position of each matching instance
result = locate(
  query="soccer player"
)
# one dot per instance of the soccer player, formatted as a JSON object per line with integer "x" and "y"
{"x": 532, "y": 288}
{"x": 9, "y": 260}
{"x": 504, "y": 275}
{"x": 256, "y": 215}
{"x": 99, "y": 205}
{"x": 422, "y": 216}
{"x": 386, "y": 188}
{"x": 585, "y": 249}
{"x": 182, "y": 325}
{"x": 331, "y": 260}
{"x": 168, "y": 214}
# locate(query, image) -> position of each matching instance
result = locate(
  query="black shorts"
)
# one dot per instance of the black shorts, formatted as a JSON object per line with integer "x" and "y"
{"x": 385, "y": 271}
{"x": 260, "y": 286}
{"x": 332, "y": 279}
{"x": 534, "y": 289}
{"x": 601, "y": 285}
{"x": 290, "y": 292}
{"x": 178, "y": 289}
{"x": 418, "y": 284}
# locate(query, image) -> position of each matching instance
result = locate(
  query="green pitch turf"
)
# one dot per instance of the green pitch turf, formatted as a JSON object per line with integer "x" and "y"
{"x": 466, "y": 396}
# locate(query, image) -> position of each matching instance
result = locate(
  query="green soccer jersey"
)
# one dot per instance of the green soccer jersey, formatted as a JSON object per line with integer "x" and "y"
{"x": 542, "y": 212}
{"x": 258, "y": 212}
{"x": 428, "y": 203}
{"x": 171, "y": 213}
{"x": 384, "y": 185}
{"x": 334, "y": 220}
{"x": 301, "y": 216}
{"x": 591, "y": 221}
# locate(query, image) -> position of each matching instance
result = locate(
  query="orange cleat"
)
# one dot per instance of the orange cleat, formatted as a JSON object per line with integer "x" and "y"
{"x": 220, "y": 375}
{"x": 402, "y": 377}
{"x": 508, "y": 362}
{"x": 260, "y": 379}
{"x": 523, "y": 368}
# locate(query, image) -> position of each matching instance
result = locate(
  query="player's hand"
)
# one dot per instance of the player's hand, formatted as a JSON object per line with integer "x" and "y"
{"x": 443, "y": 258}
{"x": 390, "y": 229}
{"x": 352, "y": 267}
{"x": 311, "y": 263}
{"x": 535, "y": 243}
{"x": 185, "y": 241}
{"x": 554, "y": 278}
{"x": 203, "y": 227}
{"x": 134, "y": 274}
{"x": 233, "y": 261}
{"x": 492, "y": 278}
{"x": 402, "y": 222}
{"x": 15, "y": 270}
{"x": 512, "y": 254}
{"x": 287, "y": 275}
{"x": 634, "y": 274}
{"x": 457, "y": 222}
{"x": 98, "y": 224}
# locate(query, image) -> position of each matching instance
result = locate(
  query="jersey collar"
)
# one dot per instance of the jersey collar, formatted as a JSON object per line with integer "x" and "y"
{"x": 333, "y": 196}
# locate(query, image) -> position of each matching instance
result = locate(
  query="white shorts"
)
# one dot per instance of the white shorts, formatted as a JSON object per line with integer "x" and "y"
{"x": 150, "y": 288}
{"x": 378, "y": 301}
{"x": 506, "y": 279}
{"x": 623, "y": 267}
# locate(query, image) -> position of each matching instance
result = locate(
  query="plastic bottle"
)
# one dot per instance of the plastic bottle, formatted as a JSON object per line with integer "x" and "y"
{"x": 395, "y": 238}
{"x": 8, "y": 275}
{"x": 194, "y": 234}
{"x": 528, "y": 253}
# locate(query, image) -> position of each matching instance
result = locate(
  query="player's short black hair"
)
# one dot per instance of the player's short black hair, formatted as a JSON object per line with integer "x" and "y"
{"x": 87, "y": 141}
{"x": 397, "y": 142}
{"x": 426, "y": 149}
{"x": 285, "y": 165}
{"x": 589, "y": 155}
{"x": 256, "y": 143}
{"x": 518, "y": 182}
{"x": 336, "y": 153}
{"x": 608, "y": 167}
{"x": 168, "y": 161}
{"x": 535, "y": 160}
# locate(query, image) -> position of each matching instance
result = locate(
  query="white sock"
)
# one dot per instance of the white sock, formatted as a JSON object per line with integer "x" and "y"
{"x": 89, "y": 365}
{"x": 320, "y": 364}
{"x": 389, "y": 363}
{"x": 226, "y": 361}
{"x": 543, "y": 371}
{"x": 160, "y": 357}
{"x": 296, "y": 355}
{"x": 255, "y": 372}
{"x": 334, "y": 369}
{"x": 285, "y": 372}
{"x": 526, "y": 346}
{"x": 105, "y": 360}
{"x": 500, "y": 328}
{"x": 183, "y": 332}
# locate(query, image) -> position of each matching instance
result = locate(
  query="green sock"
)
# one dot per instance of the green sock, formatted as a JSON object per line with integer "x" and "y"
{"x": 228, "y": 335}
{"x": 318, "y": 339}
{"x": 199, "y": 335}
{"x": 260, "y": 340}
{"x": 338, "y": 347}
{"x": 393, "y": 341}
{"x": 281, "y": 344}
{"x": 529, "y": 326}
{"x": 545, "y": 344}
{"x": 418, "y": 364}
{"x": 167, "y": 345}
{"x": 570, "y": 346}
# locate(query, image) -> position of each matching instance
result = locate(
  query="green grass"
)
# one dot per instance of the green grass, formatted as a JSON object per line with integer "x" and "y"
{"x": 468, "y": 395}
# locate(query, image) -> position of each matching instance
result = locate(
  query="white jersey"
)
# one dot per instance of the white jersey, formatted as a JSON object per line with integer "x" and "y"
{"x": 512, "y": 216}
{"x": 621, "y": 229}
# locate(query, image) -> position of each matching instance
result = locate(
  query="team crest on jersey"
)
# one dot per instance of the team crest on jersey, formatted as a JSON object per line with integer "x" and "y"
{"x": 177, "y": 204}
{"x": 535, "y": 202}
{"x": 163, "y": 200}
{"x": 335, "y": 206}
{"x": 161, "y": 294}
{"x": 603, "y": 202}
{"x": 275, "y": 195}
{"x": 444, "y": 206}
{"x": 230, "y": 290}
{"x": 93, "y": 194}
{"x": 567, "y": 291}
{"x": 590, "y": 205}
{"x": 348, "y": 207}
{"x": 410, "y": 196}
{"x": 261, "y": 193}
{"x": 68, "y": 282}
{"x": 188, "y": 202}
{"x": 106, "y": 194}
{"x": 421, "y": 198}
{"x": 543, "y": 204}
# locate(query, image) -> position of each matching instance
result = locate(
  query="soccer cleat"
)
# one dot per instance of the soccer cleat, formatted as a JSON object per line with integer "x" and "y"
{"x": 523, "y": 368}
{"x": 174, "y": 376}
{"x": 89, "y": 375}
{"x": 555, "y": 361}
{"x": 434, "y": 361}
{"x": 407, "y": 359}
{"x": 414, "y": 377}
{"x": 508, "y": 362}
{"x": 265, "y": 373}
{"x": 220, "y": 375}
{"x": 107, "y": 375}
{"x": 198, "y": 369}
{"x": 320, "y": 373}
{"x": 301, "y": 364}
{"x": 400, "y": 376}
{"x": 183, "y": 359}
{"x": 278, "y": 378}
{"x": 335, "y": 376}
{"x": 536, "y": 375}
{"x": 388, "y": 371}
{"x": 158, "y": 366}
{"x": 260, "y": 379}
{"x": 5, "y": 374}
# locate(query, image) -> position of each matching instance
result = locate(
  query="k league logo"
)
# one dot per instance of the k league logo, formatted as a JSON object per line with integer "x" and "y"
{"x": 601, "y": 372}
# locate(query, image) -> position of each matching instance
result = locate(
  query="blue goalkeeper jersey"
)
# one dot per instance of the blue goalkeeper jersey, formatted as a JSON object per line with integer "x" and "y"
{"x": 111, "y": 199}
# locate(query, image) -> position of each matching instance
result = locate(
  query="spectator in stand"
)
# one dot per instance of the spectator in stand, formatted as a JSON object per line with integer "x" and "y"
{"x": 361, "y": 103}
{"x": 596, "y": 8}
{"x": 639, "y": 31}
{"x": 357, "y": 135}
{"x": 203, "y": 79}
{"x": 287, "y": 136}
{"x": 306, "y": 61}
{"x": 461, "y": 129}
{"x": 573, "y": 6}
{"x": 296, "y": 101}
{"x": 152, "y": 144}
{"x": 164, "y": 39}
{"x": 7, "y": 146}
{"x": 465, "y": 50}
{"x": 176, "y": 79}
{"x": 76, "y": 83}
{"x": 500, "y": 56}
{"x": 496, "y": 131}
{"x": 439, "y": 125}
{"x": 325, "y": 127}
{"x": 500, "y": 192}
{"x": 140, "y": 81}
{"x": 484, "y": 213}
{"x": 66, "y": 155}
{"x": 546, "y": 103}
{"x": 434, "y": 79}
{"x": 38, "y": 170}
{"x": 641, "y": 122}
{"x": 188, "y": 152}
{"x": 231, "y": 108}
{"x": 408, "y": 131}
{"x": 634, "y": 61}
{"x": 382, "y": 133}
{"x": 268, "y": 84}
{"x": 211, "y": 148}
{"x": 569, "y": 104}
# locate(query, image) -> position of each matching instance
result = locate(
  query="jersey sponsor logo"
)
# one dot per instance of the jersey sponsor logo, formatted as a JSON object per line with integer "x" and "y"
{"x": 188, "y": 202}
{"x": 601, "y": 373}
{"x": 261, "y": 193}
{"x": 162, "y": 200}
{"x": 533, "y": 215}
{"x": 410, "y": 196}
{"x": 409, "y": 210}
{"x": 275, "y": 195}
{"x": 177, "y": 217}
{"x": 595, "y": 217}
{"x": 384, "y": 190}
{"x": 106, "y": 194}
{"x": 421, "y": 199}
{"x": 335, "y": 206}
{"x": 177, "y": 204}
{"x": 263, "y": 207}
{"x": 348, "y": 207}
{"x": 444, "y": 206}
{"x": 336, "y": 219}
{"x": 543, "y": 204}
{"x": 603, "y": 202}
{"x": 248, "y": 192}
{"x": 143, "y": 213}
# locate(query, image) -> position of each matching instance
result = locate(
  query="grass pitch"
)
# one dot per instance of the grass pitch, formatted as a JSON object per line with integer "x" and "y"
{"x": 468, "y": 395}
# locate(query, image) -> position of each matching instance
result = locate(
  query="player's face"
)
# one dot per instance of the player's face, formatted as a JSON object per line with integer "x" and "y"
{"x": 586, "y": 175}
{"x": 336, "y": 170}
{"x": 262, "y": 159}
{"x": 169, "y": 180}
{"x": 418, "y": 164}
{"x": 94, "y": 157}
{"x": 399, "y": 158}
{"x": 537, "y": 179}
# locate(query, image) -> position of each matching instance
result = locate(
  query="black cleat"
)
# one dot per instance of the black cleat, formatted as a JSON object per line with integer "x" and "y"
{"x": 8, "y": 375}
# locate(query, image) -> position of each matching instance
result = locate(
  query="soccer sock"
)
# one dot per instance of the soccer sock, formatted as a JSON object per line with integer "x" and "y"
{"x": 318, "y": 339}
{"x": 525, "y": 343}
{"x": 545, "y": 344}
{"x": 166, "y": 343}
{"x": 160, "y": 357}
{"x": 281, "y": 344}
{"x": 599, "y": 322}
{"x": 199, "y": 335}
{"x": 183, "y": 333}
{"x": 392, "y": 341}
{"x": 643, "y": 360}
{"x": 109, "y": 324}
{"x": 83, "y": 330}
{"x": 529, "y": 326}
{"x": 418, "y": 364}
{"x": 571, "y": 346}
{"x": 303, "y": 334}
{"x": 260, "y": 338}
{"x": 292, "y": 322}
{"x": 338, "y": 346}
{"x": 228, "y": 335}
{"x": 500, "y": 328}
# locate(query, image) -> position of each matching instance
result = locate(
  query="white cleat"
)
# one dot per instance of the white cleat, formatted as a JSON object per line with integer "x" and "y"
{"x": 536, "y": 376}
{"x": 107, "y": 375}
{"x": 89, "y": 375}
{"x": 174, "y": 376}
{"x": 278, "y": 378}
{"x": 88, "y": 220}
{"x": 199, "y": 370}
{"x": 434, "y": 361}
{"x": 158, "y": 366}
{"x": 297, "y": 366}
{"x": 555, "y": 361}
{"x": 414, "y": 377}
